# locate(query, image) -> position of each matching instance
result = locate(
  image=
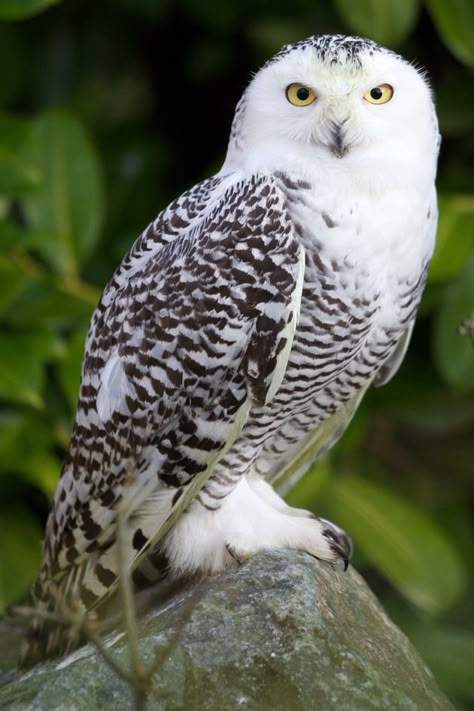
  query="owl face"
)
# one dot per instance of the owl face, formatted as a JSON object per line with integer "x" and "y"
{"x": 340, "y": 99}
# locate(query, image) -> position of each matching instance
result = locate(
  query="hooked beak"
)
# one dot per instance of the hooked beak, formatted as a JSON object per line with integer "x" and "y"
{"x": 337, "y": 144}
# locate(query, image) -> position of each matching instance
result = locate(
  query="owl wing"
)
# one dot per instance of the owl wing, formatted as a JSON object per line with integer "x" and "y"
{"x": 390, "y": 367}
{"x": 174, "y": 221}
{"x": 329, "y": 432}
{"x": 316, "y": 444}
{"x": 410, "y": 297}
{"x": 180, "y": 350}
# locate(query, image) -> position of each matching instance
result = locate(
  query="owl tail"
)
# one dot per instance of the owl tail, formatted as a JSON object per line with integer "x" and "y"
{"x": 54, "y": 629}
{"x": 45, "y": 640}
{"x": 58, "y": 613}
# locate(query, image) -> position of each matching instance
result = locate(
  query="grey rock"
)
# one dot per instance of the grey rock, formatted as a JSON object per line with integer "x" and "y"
{"x": 283, "y": 631}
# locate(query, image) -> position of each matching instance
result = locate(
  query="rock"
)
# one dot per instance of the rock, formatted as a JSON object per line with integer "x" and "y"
{"x": 283, "y": 631}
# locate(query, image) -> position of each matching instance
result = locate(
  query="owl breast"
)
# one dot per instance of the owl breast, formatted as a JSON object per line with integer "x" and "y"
{"x": 361, "y": 289}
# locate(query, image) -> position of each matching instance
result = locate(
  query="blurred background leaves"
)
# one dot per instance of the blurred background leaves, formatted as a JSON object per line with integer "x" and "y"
{"x": 107, "y": 111}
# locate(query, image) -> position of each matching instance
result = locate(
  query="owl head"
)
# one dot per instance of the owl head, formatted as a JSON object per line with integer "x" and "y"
{"x": 335, "y": 100}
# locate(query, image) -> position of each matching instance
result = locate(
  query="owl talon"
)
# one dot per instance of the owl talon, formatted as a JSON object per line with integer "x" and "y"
{"x": 231, "y": 551}
{"x": 339, "y": 541}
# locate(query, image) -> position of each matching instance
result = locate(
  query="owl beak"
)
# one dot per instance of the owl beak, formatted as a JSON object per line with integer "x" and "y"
{"x": 337, "y": 144}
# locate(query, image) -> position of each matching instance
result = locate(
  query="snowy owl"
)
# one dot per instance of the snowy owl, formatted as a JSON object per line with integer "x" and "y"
{"x": 245, "y": 325}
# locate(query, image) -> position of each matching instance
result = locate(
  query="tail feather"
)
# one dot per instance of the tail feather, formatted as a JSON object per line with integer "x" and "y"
{"x": 51, "y": 633}
{"x": 61, "y": 610}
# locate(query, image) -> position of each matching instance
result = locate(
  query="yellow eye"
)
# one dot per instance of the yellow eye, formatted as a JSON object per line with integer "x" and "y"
{"x": 379, "y": 94}
{"x": 300, "y": 95}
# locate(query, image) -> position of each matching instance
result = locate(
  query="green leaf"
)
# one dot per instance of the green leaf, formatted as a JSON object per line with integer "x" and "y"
{"x": 19, "y": 9}
{"x": 19, "y": 555}
{"x": 56, "y": 302}
{"x": 19, "y": 169}
{"x": 384, "y": 21}
{"x": 27, "y": 441}
{"x": 449, "y": 654}
{"x": 400, "y": 540}
{"x": 11, "y": 235}
{"x": 454, "y": 21}
{"x": 454, "y": 353}
{"x": 22, "y": 356}
{"x": 14, "y": 278}
{"x": 70, "y": 367}
{"x": 68, "y": 209}
{"x": 455, "y": 237}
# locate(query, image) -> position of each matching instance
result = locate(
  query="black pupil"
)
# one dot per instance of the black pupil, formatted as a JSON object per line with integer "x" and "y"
{"x": 376, "y": 93}
{"x": 302, "y": 93}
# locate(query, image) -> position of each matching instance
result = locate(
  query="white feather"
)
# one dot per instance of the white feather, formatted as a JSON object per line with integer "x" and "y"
{"x": 113, "y": 388}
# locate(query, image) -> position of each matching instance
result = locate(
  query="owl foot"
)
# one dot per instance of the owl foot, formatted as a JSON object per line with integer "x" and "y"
{"x": 321, "y": 539}
{"x": 337, "y": 537}
{"x": 247, "y": 522}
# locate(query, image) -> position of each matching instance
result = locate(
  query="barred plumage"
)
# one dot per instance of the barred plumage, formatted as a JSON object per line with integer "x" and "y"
{"x": 243, "y": 328}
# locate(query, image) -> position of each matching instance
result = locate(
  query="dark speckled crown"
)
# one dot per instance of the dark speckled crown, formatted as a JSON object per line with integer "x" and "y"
{"x": 333, "y": 49}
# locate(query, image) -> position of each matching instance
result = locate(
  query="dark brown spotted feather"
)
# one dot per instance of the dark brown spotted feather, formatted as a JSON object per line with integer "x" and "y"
{"x": 181, "y": 340}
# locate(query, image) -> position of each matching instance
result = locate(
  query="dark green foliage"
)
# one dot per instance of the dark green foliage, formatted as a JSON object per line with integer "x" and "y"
{"x": 107, "y": 111}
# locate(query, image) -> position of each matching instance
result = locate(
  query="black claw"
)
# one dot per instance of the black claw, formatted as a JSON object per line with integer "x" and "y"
{"x": 232, "y": 553}
{"x": 339, "y": 541}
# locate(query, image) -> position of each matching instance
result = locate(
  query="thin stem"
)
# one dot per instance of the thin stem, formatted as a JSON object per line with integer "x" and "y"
{"x": 141, "y": 680}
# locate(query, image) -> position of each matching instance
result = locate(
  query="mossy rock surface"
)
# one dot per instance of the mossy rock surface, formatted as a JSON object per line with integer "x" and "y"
{"x": 283, "y": 631}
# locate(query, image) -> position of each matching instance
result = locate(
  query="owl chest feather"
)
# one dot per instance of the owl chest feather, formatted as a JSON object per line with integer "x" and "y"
{"x": 361, "y": 252}
{"x": 363, "y": 280}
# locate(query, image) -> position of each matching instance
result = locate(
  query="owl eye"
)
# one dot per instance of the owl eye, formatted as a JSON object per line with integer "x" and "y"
{"x": 300, "y": 95}
{"x": 379, "y": 94}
